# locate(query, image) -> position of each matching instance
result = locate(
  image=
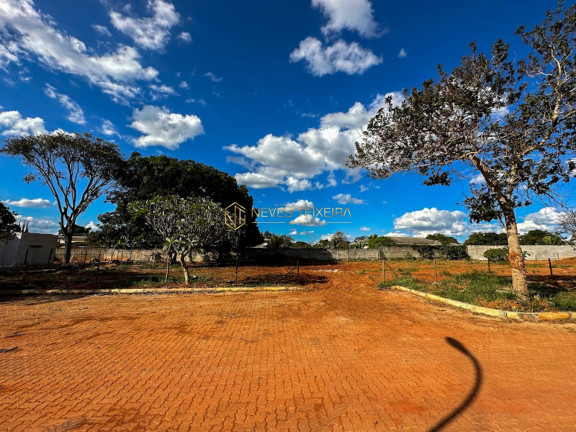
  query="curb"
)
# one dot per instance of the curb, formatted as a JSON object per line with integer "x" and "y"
{"x": 499, "y": 313}
{"x": 146, "y": 290}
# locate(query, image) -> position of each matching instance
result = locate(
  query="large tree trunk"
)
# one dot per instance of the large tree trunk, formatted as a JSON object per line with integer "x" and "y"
{"x": 67, "y": 247}
{"x": 185, "y": 269}
{"x": 515, "y": 255}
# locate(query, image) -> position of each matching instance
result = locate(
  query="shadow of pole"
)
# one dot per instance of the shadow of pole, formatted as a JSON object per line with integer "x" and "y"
{"x": 473, "y": 392}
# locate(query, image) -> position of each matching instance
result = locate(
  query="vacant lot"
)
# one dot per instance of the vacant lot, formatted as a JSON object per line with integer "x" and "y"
{"x": 339, "y": 356}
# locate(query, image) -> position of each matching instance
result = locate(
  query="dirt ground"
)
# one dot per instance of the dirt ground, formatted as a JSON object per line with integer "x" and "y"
{"x": 339, "y": 355}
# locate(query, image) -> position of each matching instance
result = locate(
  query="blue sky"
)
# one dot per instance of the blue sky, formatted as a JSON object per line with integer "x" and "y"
{"x": 272, "y": 92}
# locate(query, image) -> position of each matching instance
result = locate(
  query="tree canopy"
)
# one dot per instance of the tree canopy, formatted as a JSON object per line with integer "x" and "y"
{"x": 487, "y": 239}
{"x": 541, "y": 237}
{"x": 375, "y": 241}
{"x": 442, "y": 239}
{"x": 77, "y": 169}
{"x": 145, "y": 177}
{"x": 512, "y": 121}
{"x": 8, "y": 225}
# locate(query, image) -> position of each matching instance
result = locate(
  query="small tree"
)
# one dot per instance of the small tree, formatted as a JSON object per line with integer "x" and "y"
{"x": 277, "y": 241}
{"x": 8, "y": 225}
{"x": 376, "y": 242}
{"x": 339, "y": 240}
{"x": 442, "y": 239}
{"x": 514, "y": 122}
{"x": 76, "y": 168}
{"x": 568, "y": 223}
{"x": 188, "y": 225}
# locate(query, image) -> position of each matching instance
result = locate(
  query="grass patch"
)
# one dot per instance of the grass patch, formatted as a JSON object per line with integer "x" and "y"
{"x": 487, "y": 289}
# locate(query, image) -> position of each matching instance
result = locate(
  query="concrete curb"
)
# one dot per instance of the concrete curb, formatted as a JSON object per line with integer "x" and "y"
{"x": 519, "y": 316}
{"x": 146, "y": 290}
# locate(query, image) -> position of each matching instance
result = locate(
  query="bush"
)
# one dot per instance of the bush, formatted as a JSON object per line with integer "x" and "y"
{"x": 447, "y": 252}
{"x": 497, "y": 254}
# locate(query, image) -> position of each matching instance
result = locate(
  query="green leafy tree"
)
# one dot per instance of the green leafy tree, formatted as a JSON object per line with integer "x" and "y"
{"x": 487, "y": 239}
{"x": 77, "y": 169}
{"x": 8, "y": 225}
{"x": 540, "y": 237}
{"x": 277, "y": 241}
{"x": 442, "y": 239}
{"x": 376, "y": 242}
{"x": 512, "y": 121}
{"x": 145, "y": 177}
{"x": 188, "y": 225}
{"x": 339, "y": 240}
{"x": 301, "y": 245}
{"x": 496, "y": 254}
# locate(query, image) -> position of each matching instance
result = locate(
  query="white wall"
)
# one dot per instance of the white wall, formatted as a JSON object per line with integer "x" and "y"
{"x": 41, "y": 249}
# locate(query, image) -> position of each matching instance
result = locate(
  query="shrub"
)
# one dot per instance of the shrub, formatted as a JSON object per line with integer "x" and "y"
{"x": 497, "y": 254}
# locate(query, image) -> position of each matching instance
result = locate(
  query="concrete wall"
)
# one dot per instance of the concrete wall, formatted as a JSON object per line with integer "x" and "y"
{"x": 535, "y": 252}
{"x": 35, "y": 249}
{"x": 333, "y": 254}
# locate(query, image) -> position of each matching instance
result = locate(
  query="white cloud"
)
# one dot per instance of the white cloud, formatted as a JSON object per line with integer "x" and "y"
{"x": 29, "y": 34}
{"x": 477, "y": 179}
{"x": 300, "y": 233}
{"x": 163, "y": 128}
{"x": 149, "y": 32}
{"x": 307, "y": 220}
{"x": 25, "y": 202}
{"x": 161, "y": 91}
{"x": 365, "y": 229}
{"x": 101, "y": 30}
{"x": 285, "y": 161}
{"x": 75, "y": 113}
{"x": 185, "y": 37}
{"x": 108, "y": 128}
{"x": 213, "y": 77}
{"x": 546, "y": 219}
{"x": 341, "y": 56}
{"x": 402, "y": 53}
{"x": 299, "y": 205}
{"x": 14, "y": 124}
{"x": 354, "y": 15}
{"x": 347, "y": 199}
{"x": 92, "y": 226}
{"x": 183, "y": 85}
{"x": 363, "y": 188}
{"x": 39, "y": 225}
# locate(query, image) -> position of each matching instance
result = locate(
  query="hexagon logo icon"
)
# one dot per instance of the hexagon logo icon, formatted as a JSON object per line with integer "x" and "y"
{"x": 235, "y": 216}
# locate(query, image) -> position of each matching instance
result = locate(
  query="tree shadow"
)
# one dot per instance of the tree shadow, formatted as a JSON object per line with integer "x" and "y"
{"x": 478, "y": 379}
{"x": 551, "y": 284}
{"x": 283, "y": 279}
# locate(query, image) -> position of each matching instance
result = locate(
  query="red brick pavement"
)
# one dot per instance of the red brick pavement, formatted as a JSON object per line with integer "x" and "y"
{"x": 345, "y": 357}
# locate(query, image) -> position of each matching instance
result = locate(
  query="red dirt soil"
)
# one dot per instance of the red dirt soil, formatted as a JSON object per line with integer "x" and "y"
{"x": 340, "y": 356}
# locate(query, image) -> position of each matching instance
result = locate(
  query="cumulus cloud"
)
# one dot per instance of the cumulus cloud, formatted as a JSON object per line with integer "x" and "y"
{"x": 75, "y": 113}
{"x": 286, "y": 162}
{"x": 299, "y": 205}
{"x": 347, "y": 199}
{"x": 300, "y": 233}
{"x": 365, "y": 229}
{"x": 546, "y": 219}
{"x": 341, "y": 56}
{"x": 149, "y": 32}
{"x": 92, "y": 226}
{"x": 13, "y": 123}
{"x": 39, "y": 225}
{"x": 356, "y": 15}
{"x": 35, "y": 203}
{"x": 163, "y": 128}
{"x": 29, "y": 34}
{"x": 402, "y": 53}
{"x": 308, "y": 220}
{"x": 161, "y": 91}
{"x": 185, "y": 37}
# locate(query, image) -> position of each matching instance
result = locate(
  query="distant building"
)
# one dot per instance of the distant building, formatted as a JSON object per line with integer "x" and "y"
{"x": 32, "y": 248}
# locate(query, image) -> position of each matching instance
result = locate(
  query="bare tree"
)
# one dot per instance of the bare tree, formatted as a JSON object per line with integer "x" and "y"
{"x": 567, "y": 223}
{"x": 76, "y": 168}
{"x": 511, "y": 121}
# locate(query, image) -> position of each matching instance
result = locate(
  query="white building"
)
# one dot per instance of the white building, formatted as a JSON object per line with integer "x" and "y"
{"x": 32, "y": 248}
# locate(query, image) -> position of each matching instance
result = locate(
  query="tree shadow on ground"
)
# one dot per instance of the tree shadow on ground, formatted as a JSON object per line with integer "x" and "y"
{"x": 478, "y": 380}
{"x": 33, "y": 300}
{"x": 551, "y": 284}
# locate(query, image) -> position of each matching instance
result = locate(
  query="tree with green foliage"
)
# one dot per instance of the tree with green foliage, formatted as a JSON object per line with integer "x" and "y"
{"x": 145, "y": 177}
{"x": 277, "y": 241}
{"x": 376, "y": 242}
{"x": 301, "y": 245}
{"x": 442, "y": 239}
{"x": 188, "y": 225}
{"x": 487, "y": 239}
{"x": 540, "y": 237}
{"x": 496, "y": 254}
{"x": 77, "y": 169}
{"x": 8, "y": 225}
{"x": 512, "y": 121}
{"x": 339, "y": 241}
